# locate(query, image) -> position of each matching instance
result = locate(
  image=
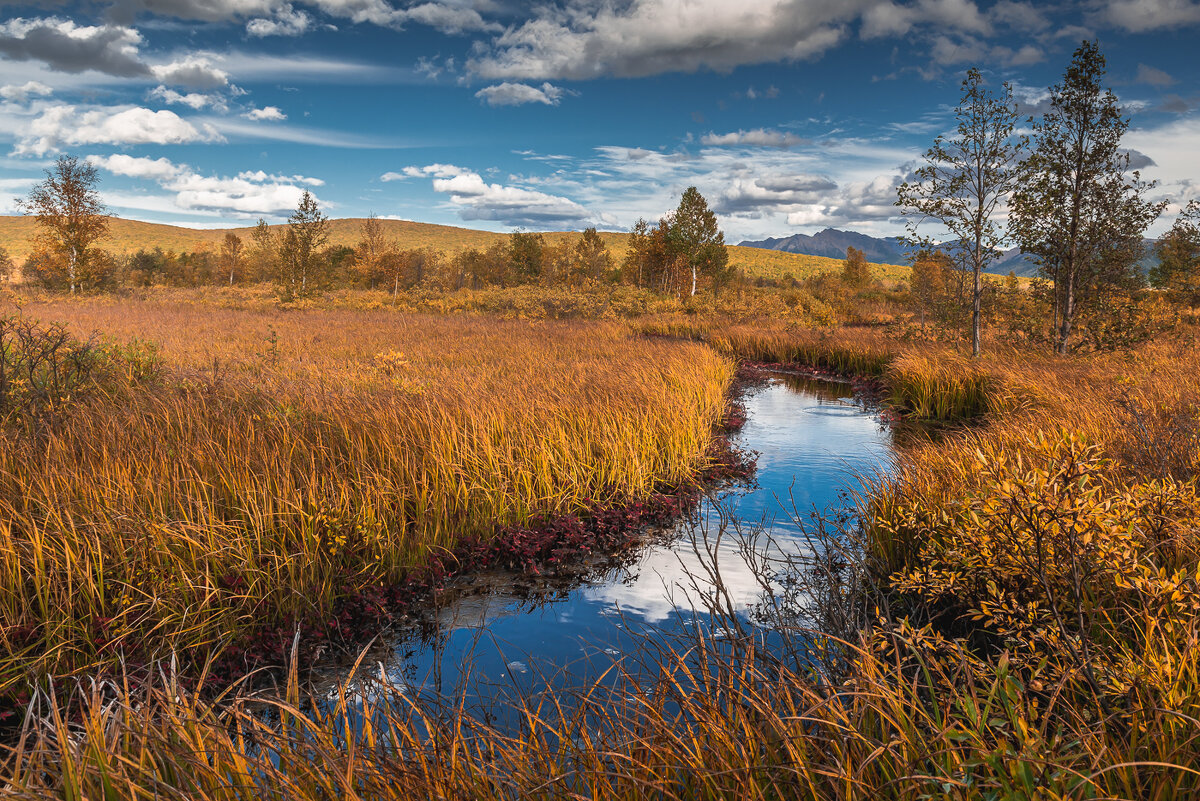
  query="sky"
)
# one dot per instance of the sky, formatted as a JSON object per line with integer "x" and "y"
{"x": 790, "y": 116}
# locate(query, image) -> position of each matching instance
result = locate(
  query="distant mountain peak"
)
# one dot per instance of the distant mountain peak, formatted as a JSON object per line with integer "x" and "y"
{"x": 832, "y": 243}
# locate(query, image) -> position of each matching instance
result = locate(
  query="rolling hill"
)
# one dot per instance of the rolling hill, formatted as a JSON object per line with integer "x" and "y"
{"x": 129, "y": 236}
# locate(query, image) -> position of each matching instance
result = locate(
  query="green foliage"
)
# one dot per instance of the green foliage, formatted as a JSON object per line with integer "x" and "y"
{"x": 1178, "y": 268}
{"x": 299, "y": 248}
{"x": 1075, "y": 209}
{"x": 526, "y": 256}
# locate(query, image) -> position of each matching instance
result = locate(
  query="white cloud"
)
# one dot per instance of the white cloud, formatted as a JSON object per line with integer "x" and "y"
{"x": 647, "y": 37}
{"x": 477, "y": 199}
{"x": 890, "y": 19}
{"x": 517, "y": 94}
{"x": 448, "y": 16}
{"x": 250, "y": 192}
{"x": 1148, "y": 15}
{"x": 68, "y": 47}
{"x": 759, "y": 137}
{"x": 193, "y": 100}
{"x": 580, "y": 41}
{"x": 287, "y": 22}
{"x": 21, "y": 93}
{"x": 259, "y": 176}
{"x": 267, "y": 113}
{"x": 193, "y": 70}
{"x": 136, "y": 166}
{"x": 66, "y": 125}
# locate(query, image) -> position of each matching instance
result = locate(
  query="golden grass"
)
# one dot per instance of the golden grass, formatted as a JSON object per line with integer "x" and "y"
{"x": 1064, "y": 516}
{"x": 289, "y": 458}
{"x": 128, "y": 236}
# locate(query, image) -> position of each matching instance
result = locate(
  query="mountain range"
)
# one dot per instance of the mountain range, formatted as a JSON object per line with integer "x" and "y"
{"x": 832, "y": 243}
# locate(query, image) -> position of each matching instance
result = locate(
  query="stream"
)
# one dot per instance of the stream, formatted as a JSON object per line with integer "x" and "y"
{"x": 498, "y": 637}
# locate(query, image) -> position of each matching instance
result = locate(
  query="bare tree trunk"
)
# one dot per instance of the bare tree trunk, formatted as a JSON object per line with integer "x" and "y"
{"x": 1068, "y": 314}
{"x": 693, "y": 280}
{"x": 977, "y": 314}
{"x": 72, "y": 262}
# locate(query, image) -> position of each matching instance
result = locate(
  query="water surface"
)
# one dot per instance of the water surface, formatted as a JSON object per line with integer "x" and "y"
{"x": 500, "y": 635}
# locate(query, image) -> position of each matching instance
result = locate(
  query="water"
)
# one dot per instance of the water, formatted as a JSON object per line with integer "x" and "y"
{"x": 503, "y": 635}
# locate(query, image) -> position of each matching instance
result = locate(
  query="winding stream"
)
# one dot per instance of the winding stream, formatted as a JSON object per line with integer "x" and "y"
{"x": 500, "y": 635}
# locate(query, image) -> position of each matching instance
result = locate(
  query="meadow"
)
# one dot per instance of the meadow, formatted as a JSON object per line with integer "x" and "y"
{"x": 1014, "y": 613}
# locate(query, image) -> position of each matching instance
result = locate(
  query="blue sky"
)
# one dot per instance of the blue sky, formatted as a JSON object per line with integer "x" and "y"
{"x": 789, "y": 115}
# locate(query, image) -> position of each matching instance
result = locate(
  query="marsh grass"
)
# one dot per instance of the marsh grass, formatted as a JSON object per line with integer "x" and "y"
{"x": 285, "y": 462}
{"x": 1027, "y": 587}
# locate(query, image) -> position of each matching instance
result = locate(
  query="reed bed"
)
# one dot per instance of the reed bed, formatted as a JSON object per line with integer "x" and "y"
{"x": 281, "y": 462}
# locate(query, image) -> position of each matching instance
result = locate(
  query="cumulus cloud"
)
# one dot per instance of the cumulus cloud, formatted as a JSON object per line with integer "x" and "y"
{"x": 68, "y": 126}
{"x": 267, "y": 113}
{"x": 137, "y": 166}
{"x": 287, "y": 22}
{"x": 581, "y": 41}
{"x": 477, "y": 199}
{"x": 517, "y": 94}
{"x": 194, "y": 70}
{"x": 254, "y": 193}
{"x": 647, "y": 37}
{"x": 193, "y": 100}
{"x": 891, "y": 19}
{"x": 759, "y": 137}
{"x": 746, "y": 194}
{"x": 22, "y": 92}
{"x": 67, "y": 47}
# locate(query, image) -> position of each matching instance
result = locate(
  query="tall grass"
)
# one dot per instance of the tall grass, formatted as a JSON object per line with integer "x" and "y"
{"x": 1031, "y": 583}
{"x": 284, "y": 462}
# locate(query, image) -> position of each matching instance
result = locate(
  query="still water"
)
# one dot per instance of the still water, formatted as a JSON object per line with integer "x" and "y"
{"x": 500, "y": 636}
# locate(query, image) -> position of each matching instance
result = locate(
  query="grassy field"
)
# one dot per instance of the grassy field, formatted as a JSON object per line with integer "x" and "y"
{"x": 128, "y": 236}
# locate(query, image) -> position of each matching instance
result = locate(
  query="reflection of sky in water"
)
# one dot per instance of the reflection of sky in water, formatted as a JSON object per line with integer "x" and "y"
{"x": 812, "y": 443}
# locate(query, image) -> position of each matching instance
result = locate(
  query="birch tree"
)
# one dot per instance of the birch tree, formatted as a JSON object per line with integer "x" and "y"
{"x": 70, "y": 213}
{"x": 964, "y": 185}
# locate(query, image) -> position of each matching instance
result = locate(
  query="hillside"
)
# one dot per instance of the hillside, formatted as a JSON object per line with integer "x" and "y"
{"x": 128, "y": 236}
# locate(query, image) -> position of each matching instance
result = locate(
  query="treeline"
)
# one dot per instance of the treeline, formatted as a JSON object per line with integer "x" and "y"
{"x": 685, "y": 253}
